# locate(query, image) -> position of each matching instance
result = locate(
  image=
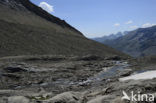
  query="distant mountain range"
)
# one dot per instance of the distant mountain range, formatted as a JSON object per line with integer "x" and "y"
{"x": 109, "y": 37}
{"x": 26, "y": 29}
{"x": 137, "y": 43}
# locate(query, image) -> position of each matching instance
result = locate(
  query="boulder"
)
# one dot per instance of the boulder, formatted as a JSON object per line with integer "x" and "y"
{"x": 67, "y": 97}
{"x": 101, "y": 99}
{"x": 18, "y": 99}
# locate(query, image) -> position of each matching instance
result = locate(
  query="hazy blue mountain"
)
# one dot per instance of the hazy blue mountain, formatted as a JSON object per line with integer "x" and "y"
{"x": 108, "y": 37}
{"x": 140, "y": 42}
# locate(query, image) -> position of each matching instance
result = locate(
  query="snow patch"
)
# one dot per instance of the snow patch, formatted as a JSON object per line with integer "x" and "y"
{"x": 144, "y": 75}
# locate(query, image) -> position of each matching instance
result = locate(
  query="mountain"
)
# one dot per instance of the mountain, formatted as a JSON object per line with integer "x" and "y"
{"x": 109, "y": 37}
{"x": 140, "y": 42}
{"x": 26, "y": 29}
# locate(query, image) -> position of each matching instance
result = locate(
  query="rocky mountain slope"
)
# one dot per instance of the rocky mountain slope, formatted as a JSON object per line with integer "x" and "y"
{"x": 137, "y": 43}
{"x": 26, "y": 29}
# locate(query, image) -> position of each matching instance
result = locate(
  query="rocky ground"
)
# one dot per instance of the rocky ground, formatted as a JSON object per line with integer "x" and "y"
{"x": 59, "y": 79}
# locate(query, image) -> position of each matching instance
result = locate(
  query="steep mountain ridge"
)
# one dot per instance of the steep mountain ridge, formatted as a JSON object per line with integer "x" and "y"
{"x": 26, "y": 4}
{"x": 26, "y": 29}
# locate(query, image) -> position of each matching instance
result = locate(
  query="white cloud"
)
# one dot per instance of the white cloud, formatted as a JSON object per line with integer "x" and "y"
{"x": 47, "y": 7}
{"x": 147, "y": 25}
{"x": 129, "y": 22}
{"x": 116, "y": 24}
{"x": 134, "y": 27}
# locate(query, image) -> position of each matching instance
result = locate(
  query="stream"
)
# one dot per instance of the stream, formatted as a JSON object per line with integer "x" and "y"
{"x": 108, "y": 72}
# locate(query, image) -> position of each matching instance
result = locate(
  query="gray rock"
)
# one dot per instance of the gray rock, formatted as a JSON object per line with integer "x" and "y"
{"x": 18, "y": 99}
{"x": 67, "y": 97}
{"x": 101, "y": 99}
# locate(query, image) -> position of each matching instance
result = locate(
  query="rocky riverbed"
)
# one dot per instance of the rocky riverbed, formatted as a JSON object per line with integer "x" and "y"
{"x": 59, "y": 79}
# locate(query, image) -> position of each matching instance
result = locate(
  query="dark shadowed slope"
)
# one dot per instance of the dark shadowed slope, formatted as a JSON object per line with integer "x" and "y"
{"x": 140, "y": 42}
{"x": 26, "y": 29}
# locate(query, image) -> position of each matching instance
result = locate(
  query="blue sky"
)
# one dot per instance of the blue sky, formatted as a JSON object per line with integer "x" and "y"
{"x": 95, "y": 18}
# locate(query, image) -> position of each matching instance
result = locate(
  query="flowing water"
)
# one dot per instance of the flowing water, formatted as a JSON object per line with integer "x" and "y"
{"x": 108, "y": 72}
